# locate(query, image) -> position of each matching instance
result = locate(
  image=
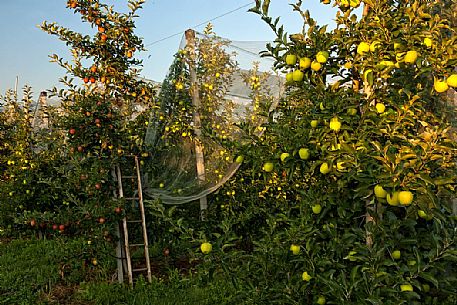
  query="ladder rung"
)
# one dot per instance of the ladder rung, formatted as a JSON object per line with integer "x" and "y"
{"x": 136, "y": 245}
{"x": 131, "y": 198}
{"x": 139, "y": 269}
{"x": 134, "y": 220}
{"x": 128, "y": 177}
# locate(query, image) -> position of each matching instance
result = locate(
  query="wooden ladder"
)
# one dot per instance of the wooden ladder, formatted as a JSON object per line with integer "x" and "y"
{"x": 125, "y": 254}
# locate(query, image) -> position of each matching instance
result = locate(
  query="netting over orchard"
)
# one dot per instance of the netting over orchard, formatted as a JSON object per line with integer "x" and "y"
{"x": 213, "y": 88}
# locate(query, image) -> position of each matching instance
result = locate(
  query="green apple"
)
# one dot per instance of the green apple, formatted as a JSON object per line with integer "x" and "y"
{"x": 317, "y": 208}
{"x": 291, "y": 59}
{"x": 396, "y": 254}
{"x": 268, "y": 167}
{"x": 304, "y": 153}
{"x": 297, "y": 75}
{"x": 284, "y": 156}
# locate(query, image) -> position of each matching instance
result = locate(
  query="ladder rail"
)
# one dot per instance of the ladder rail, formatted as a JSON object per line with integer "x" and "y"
{"x": 125, "y": 229}
{"x": 143, "y": 220}
{"x": 128, "y": 258}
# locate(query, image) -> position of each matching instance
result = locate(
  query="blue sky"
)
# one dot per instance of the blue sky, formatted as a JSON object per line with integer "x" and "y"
{"x": 25, "y": 48}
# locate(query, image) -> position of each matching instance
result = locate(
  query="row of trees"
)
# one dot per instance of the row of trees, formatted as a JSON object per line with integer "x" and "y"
{"x": 344, "y": 192}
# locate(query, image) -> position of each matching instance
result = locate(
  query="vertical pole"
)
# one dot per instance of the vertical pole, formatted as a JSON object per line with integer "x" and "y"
{"x": 370, "y": 209}
{"x": 143, "y": 220}
{"x": 452, "y": 94}
{"x": 124, "y": 227}
{"x": 16, "y": 85}
{"x": 195, "y": 92}
{"x": 120, "y": 256}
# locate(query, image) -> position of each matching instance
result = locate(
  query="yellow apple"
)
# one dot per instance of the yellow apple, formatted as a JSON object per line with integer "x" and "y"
{"x": 284, "y": 156}
{"x": 268, "y": 167}
{"x": 380, "y": 107}
{"x": 297, "y": 75}
{"x": 306, "y": 277}
{"x": 335, "y": 124}
{"x": 452, "y": 80}
{"x": 291, "y": 59}
{"x": 206, "y": 248}
{"x": 405, "y": 197}
{"x": 322, "y": 57}
{"x": 411, "y": 57}
{"x": 315, "y": 66}
{"x": 295, "y": 249}
{"x": 440, "y": 86}
{"x": 379, "y": 191}
{"x": 305, "y": 63}
{"x": 325, "y": 168}
{"x": 406, "y": 287}
{"x": 363, "y": 48}
{"x": 428, "y": 42}
{"x": 304, "y": 153}
{"x": 392, "y": 199}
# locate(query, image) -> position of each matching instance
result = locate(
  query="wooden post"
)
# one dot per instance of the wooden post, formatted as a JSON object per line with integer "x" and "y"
{"x": 41, "y": 117}
{"x": 16, "y": 85}
{"x": 195, "y": 92}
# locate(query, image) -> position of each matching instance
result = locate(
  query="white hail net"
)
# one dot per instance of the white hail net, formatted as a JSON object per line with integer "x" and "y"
{"x": 171, "y": 175}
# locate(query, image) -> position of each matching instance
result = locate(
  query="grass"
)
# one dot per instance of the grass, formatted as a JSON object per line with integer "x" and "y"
{"x": 51, "y": 272}
{"x": 181, "y": 292}
{"x": 28, "y": 268}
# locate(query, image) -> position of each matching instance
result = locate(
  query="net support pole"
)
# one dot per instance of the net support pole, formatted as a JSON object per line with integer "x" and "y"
{"x": 370, "y": 209}
{"x": 195, "y": 92}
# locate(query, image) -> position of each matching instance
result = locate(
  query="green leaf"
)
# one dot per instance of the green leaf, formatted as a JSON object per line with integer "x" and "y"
{"x": 444, "y": 181}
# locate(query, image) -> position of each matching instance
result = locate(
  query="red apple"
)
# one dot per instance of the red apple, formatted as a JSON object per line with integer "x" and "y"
{"x": 72, "y": 131}
{"x": 80, "y": 148}
{"x": 98, "y": 186}
{"x": 55, "y": 227}
{"x": 33, "y": 222}
{"x": 61, "y": 227}
{"x": 118, "y": 210}
{"x": 101, "y": 220}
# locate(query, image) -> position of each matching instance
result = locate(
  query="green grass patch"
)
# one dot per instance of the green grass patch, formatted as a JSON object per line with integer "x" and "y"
{"x": 28, "y": 267}
{"x": 53, "y": 272}
{"x": 33, "y": 269}
{"x": 178, "y": 291}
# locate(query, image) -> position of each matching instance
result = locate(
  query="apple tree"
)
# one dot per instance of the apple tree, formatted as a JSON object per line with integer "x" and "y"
{"x": 346, "y": 196}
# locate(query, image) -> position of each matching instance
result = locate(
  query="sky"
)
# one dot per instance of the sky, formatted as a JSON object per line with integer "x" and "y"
{"x": 25, "y": 49}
